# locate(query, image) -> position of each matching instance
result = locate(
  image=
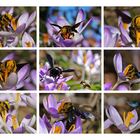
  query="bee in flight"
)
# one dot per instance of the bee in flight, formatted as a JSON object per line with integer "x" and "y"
{"x": 4, "y": 108}
{"x": 6, "y": 22}
{"x": 134, "y": 29}
{"x": 85, "y": 84}
{"x": 134, "y": 104}
{"x": 67, "y": 31}
{"x": 71, "y": 112}
{"x": 131, "y": 72}
{"x": 56, "y": 72}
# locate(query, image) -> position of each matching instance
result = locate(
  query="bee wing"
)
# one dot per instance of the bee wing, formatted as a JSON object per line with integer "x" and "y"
{"x": 68, "y": 70}
{"x": 125, "y": 18}
{"x": 56, "y": 25}
{"x": 76, "y": 26}
{"x": 50, "y": 60}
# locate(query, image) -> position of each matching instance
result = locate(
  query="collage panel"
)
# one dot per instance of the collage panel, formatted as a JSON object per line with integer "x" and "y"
{"x": 18, "y": 70}
{"x": 70, "y": 26}
{"x": 17, "y": 113}
{"x": 121, "y": 27}
{"x": 17, "y": 27}
{"x": 72, "y": 113}
{"x": 122, "y": 70}
{"x": 70, "y": 70}
{"x": 122, "y": 113}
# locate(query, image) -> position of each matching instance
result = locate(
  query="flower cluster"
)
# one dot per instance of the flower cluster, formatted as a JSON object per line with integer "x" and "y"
{"x": 52, "y": 107}
{"x": 127, "y": 76}
{"x": 17, "y": 32}
{"x": 12, "y": 118}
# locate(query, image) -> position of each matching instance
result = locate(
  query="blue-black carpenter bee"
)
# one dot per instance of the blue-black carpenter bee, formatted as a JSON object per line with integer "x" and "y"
{"x": 67, "y": 31}
{"x": 71, "y": 112}
{"x": 134, "y": 104}
{"x": 56, "y": 72}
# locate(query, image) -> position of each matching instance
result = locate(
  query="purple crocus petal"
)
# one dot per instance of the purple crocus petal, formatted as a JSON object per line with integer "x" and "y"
{"x": 14, "y": 42}
{"x": 23, "y": 73}
{"x": 135, "y": 118}
{"x": 134, "y": 126}
{"x": 46, "y": 121}
{"x": 50, "y": 105}
{"x": 2, "y": 131}
{"x": 65, "y": 79}
{"x": 58, "y": 124}
{"x": 28, "y": 120}
{"x": 84, "y": 27}
{"x": 10, "y": 56}
{"x": 30, "y": 129}
{"x": 27, "y": 40}
{"x": 63, "y": 86}
{"x": 31, "y": 19}
{"x": 42, "y": 126}
{"x": 123, "y": 128}
{"x": 66, "y": 42}
{"x": 118, "y": 62}
{"x": 19, "y": 130}
{"x": 23, "y": 19}
{"x": 31, "y": 102}
{"x": 20, "y": 28}
{"x": 115, "y": 116}
{"x": 50, "y": 86}
{"x": 11, "y": 81}
{"x": 107, "y": 123}
{"x": 61, "y": 21}
{"x": 33, "y": 76}
{"x": 5, "y": 33}
{"x": 124, "y": 35}
{"x": 107, "y": 86}
{"x": 80, "y": 17}
{"x": 122, "y": 87}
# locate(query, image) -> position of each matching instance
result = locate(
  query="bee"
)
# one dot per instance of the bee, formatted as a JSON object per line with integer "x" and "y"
{"x": 4, "y": 108}
{"x": 71, "y": 112}
{"x": 6, "y": 22}
{"x": 56, "y": 72}
{"x": 131, "y": 72}
{"x": 6, "y": 68}
{"x": 85, "y": 84}
{"x": 134, "y": 104}
{"x": 67, "y": 31}
{"x": 134, "y": 29}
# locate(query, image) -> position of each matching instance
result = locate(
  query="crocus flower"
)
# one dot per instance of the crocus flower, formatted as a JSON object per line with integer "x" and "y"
{"x": 119, "y": 37}
{"x": 123, "y": 82}
{"x": 73, "y": 40}
{"x": 24, "y": 25}
{"x": 128, "y": 124}
{"x": 50, "y": 83}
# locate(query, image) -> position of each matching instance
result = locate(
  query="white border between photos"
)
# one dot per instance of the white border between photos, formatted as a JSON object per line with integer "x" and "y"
{"x": 100, "y": 3}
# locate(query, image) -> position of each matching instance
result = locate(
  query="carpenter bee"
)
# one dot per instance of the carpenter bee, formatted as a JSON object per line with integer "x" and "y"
{"x": 56, "y": 72}
{"x": 134, "y": 29}
{"x": 71, "y": 112}
{"x": 6, "y": 22}
{"x": 134, "y": 104}
{"x": 85, "y": 84}
{"x": 4, "y": 108}
{"x": 131, "y": 72}
{"x": 67, "y": 31}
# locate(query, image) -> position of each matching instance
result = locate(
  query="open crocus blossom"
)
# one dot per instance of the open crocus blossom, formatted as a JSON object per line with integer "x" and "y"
{"x": 127, "y": 76}
{"x": 19, "y": 29}
{"x": 48, "y": 82}
{"x": 126, "y": 124}
{"x": 70, "y": 39}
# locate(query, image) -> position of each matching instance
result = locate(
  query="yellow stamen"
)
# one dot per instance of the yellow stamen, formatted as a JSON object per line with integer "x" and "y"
{"x": 60, "y": 86}
{"x": 127, "y": 118}
{"x": 137, "y": 38}
{"x": 125, "y": 26}
{"x": 3, "y": 115}
{"x": 72, "y": 127}
{"x": 17, "y": 99}
{"x": 57, "y": 129}
{"x": 29, "y": 44}
{"x": 84, "y": 58}
{"x": 15, "y": 123}
{"x": 14, "y": 24}
{"x": 91, "y": 66}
